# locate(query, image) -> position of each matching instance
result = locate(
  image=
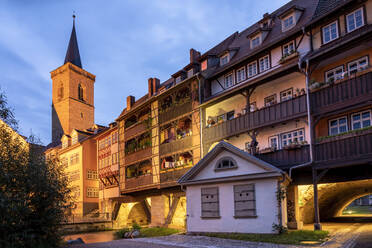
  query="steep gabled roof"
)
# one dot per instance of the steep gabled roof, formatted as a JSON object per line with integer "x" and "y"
{"x": 224, "y": 146}
{"x": 72, "y": 54}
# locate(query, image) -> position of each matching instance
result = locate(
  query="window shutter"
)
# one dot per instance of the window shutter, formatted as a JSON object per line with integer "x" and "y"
{"x": 210, "y": 207}
{"x": 245, "y": 200}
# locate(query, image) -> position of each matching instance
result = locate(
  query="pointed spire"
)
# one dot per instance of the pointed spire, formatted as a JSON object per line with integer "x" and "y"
{"x": 73, "y": 54}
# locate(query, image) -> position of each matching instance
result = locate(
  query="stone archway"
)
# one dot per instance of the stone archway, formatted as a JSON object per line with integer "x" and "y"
{"x": 333, "y": 198}
{"x": 129, "y": 213}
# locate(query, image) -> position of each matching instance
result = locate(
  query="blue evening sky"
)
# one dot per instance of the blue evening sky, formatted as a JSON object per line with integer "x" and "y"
{"x": 122, "y": 42}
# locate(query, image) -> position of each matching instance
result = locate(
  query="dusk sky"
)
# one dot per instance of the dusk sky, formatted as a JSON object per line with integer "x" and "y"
{"x": 123, "y": 43}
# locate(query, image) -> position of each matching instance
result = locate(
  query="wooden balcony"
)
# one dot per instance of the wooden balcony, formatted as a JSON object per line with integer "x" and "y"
{"x": 175, "y": 111}
{"x": 135, "y": 130}
{"x": 348, "y": 149}
{"x": 267, "y": 116}
{"x": 287, "y": 158}
{"x": 171, "y": 176}
{"x": 176, "y": 145}
{"x": 138, "y": 182}
{"x": 138, "y": 155}
{"x": 350, "y": 92}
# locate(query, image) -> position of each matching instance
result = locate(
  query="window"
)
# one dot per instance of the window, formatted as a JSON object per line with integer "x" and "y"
{"x": 288, "y": 48}
{"x": 114, "y": 137}
{"x": 64, "y": 144}
{"x": 221, "y": 118}
{"x": 228, "y": 81}
{"x": 115, "y": 158}
{"x": 334, "y": 74}
{"x": 74, "y": 159}
{"x": 244, "y": 200}
{"x": 361, "y": 120}
{"x": 288, "y": 22}
{"x": 270, "y": 100}
{"x": 80, "y": 92}
{"x": 64, "y": 161}
{"x": 273, "y": 142}
{"x": 178, "y": 79}
{"x": 92, "y": 192}
{"x": 255, "y": 41}
{"x": 338, "y": 125}
{"x": 286, "y": 95}
{"x": 226, "y": 163}
{"x": 354, "y": 20}
{"x": 210, "y": 207}
{"x": 60, "y": 91}
{"x": 92, "y": 174}
{"x": 240, "y": 74}
{"x": 230, "y": 115}
{"x": 74, "y": 139}
{"x": 358, "y": 65}
{"x": 330, "y": 32}
{"x": 293, "y": 137}
{"x": 264, "y": 63}
{"x": 204, "y": 65}
{"x": 252, "y": 69}
{"x": 190, "y": 73}
{"x": 224, "y": 59}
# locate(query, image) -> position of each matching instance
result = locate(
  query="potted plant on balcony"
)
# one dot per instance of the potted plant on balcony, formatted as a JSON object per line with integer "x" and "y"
{"x": 267, "y": 150}
{"x": 292, "y": 145}
{"x": 288, "y": 56}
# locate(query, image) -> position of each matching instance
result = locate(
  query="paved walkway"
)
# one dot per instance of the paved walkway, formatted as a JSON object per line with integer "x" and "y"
{"x": 344, "y": 235}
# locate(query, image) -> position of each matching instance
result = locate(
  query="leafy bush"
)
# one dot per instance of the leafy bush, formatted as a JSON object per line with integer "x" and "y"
{"x": 119, "y": 234}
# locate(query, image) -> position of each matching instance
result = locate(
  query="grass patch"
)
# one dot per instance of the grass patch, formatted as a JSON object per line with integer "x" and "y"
{"x": 292, "y": 237}
{"x": 157, "y": 231}
{"x": 357, "y": 210}
{"x": 148, "y": 232}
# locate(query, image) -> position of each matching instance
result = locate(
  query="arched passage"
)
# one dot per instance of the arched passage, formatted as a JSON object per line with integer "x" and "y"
{"x": 333, "y": 198}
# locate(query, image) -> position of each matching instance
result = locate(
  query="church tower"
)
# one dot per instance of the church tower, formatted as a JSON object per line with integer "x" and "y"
{"x": 72, "y": 93}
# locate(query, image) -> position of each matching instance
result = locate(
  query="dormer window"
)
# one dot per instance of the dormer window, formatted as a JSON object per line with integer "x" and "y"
{"x": 190, "y": 73}
{"x": 74, "y": 139}
{"x": 204, "y": 65}
{"x": 288, "y": 22}
{"x": 178, "y": 79}
{"x": 226, "y": 163}
{"x": 65, "y": 144}
{"x": 224, "y": 59}
{"x": 255, "y": 41}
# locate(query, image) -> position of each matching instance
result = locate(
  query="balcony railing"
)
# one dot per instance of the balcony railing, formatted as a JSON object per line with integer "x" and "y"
{"x": 287, "y": 158}
{"x": 348, "y": 148}
{"x": 138, "y": 155}
{"x": 135, "y": 130}
{"x": 172, "y": 176}
{"x": 340, "y": 95}
{"x": 267, "y": 116}
{"x": 176, "y": 145}
{"x": 175, "y": 111}
{"x": 138, "y": 182}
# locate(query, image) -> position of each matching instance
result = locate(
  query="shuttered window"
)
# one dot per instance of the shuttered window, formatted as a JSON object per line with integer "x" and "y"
{"x": 210, "y": 206}
{"x": 244, "y": 201}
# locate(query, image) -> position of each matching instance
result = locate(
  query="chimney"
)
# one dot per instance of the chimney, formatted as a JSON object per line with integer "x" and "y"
{"x": 130, "y": 102}
{"x": 151, "y": 91}
{"x": 194, "y": 55}
{"x": 155, "y": 85}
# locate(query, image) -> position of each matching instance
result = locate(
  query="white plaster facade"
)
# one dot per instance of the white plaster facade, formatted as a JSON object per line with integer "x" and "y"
{"x": 265, "y": 178}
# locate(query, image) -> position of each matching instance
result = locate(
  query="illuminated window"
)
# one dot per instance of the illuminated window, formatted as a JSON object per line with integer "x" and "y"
{"x": 337, "y": 126}
{"x": 355, "y": 20}
{"x": 204, "y": 65}
{"x": 330, "y": 32}
{"x": 361, "y": 120}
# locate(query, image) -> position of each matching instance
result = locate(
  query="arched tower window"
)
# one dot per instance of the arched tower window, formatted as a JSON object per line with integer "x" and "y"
{"x": 80, "y": 92}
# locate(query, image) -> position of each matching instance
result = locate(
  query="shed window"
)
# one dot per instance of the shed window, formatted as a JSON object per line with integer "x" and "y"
{"x": 244, "y": 201}
{"x": 226, "y": 163}
{"x": 210, "y": 206}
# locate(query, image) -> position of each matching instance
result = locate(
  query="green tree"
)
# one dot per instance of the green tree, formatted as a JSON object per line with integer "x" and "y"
{"x": 33, "y": 191}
